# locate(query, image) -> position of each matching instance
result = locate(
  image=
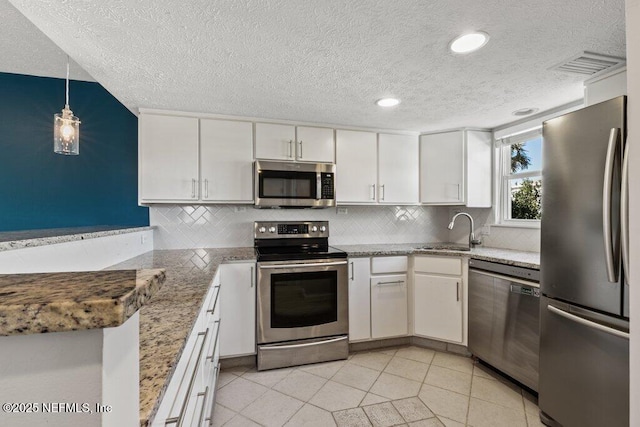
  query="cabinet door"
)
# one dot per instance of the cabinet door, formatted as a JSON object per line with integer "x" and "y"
{"x": 389, "y": 306}
{"x": 442, "y": 168}
{"x": 168, "y": 164}
{"x": 479, "y": 178}
{"x": 398, "y": 175}
{"x": 359, "y": 299}
{"x": 315, "y": 145}
{"x": 356, "y": 167}
{"x": 226, "y": 160}
{"x": 438, "y": 307}
{"x": 275, "y": 142}
{"x": 237, "y": 309}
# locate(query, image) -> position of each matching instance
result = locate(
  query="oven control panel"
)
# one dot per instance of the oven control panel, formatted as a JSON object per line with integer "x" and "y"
{"x": 290, "y": 229}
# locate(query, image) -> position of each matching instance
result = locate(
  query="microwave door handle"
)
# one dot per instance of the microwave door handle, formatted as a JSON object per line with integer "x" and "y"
{"x": 318, "y": 186}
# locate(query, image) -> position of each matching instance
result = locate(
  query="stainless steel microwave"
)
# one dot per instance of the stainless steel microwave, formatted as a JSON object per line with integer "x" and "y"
{"x": 294, "y": 185}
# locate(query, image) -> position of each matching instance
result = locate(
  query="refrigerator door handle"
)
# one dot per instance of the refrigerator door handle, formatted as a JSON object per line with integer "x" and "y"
{"x": 624, "y": 213}
{"x": 588, "y": 323}
{"x": 612, "y": 273}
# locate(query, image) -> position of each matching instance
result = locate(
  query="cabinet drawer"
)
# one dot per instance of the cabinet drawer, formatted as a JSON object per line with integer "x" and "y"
{"x": 438, "y": 265}
{"x": 388, "y": 264}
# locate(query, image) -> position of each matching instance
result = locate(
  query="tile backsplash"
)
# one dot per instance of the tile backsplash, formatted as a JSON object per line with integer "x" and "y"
{"x": 219, "y": 226}
{"x": 521, "y": 239}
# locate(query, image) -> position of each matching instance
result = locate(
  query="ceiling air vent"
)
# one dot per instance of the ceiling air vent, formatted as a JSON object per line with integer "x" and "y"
{"x": 589, "y": 64}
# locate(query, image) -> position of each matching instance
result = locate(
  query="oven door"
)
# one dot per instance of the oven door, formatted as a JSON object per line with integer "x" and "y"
{"x": 302, "y": 299}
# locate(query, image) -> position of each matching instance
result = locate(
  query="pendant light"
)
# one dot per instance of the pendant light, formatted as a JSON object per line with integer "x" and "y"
{"x": 66, "y": 128}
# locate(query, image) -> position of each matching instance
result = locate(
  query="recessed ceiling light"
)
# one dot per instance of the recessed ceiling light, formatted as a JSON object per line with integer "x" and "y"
{"x": 468, "y": 43}
{"x": 388, "y": 102}
{"x": 525, "y": 111}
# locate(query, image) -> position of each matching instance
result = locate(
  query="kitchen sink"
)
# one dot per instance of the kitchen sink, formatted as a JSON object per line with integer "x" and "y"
{"x": 444, "y": 247}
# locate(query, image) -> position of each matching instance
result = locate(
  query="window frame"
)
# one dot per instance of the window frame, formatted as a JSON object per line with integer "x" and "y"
{"x": 503, "y": 146}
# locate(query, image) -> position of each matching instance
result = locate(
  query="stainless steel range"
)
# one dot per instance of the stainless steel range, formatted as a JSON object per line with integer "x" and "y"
{"x": 303, "y": 299}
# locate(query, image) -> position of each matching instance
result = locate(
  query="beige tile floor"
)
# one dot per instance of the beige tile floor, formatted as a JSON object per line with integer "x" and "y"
{"x": 407, "y": 386}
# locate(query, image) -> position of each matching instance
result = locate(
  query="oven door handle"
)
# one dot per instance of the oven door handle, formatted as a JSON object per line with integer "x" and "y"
{"x": 307, "y": 344}
{"x": 318, "y": 264}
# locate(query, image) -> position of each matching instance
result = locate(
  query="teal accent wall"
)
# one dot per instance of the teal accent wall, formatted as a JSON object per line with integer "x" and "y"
{"x": 40, "y": 189}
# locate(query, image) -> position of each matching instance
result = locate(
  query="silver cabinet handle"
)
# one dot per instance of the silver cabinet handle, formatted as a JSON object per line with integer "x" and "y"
{"x": 300, "y": 156}
{"x": 588, "y": 323}
{"x": 290, "y": 148}
{"x": 215, "y": 341}
{"x": 206, "y": 188}
{"x": 624, "y": 213}
{"x": 215, "y": 303}
{"x": 612, "y": 270}
{"x": 382, "y": 189}
{"x": 352, "y": 273}
{"x": 253, "y": 277}
{"x": 193, "y": 188}
{"x": 394, "y": 282}
{"x": 457, "y": 291}
{"x": 373, "y": 192}
{"x": 204, "y": 403}
{"x": 180, "y": 416}
{"x": 458, "y": 185}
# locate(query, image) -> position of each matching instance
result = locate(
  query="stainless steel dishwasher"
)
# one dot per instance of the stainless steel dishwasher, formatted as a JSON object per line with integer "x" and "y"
{"x": 504, "y": 318}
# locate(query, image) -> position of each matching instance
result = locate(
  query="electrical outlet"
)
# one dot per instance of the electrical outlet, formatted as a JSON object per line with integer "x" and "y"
{"x": 240, "y": 209}
{"x": 342, "y": 211}
{"x": 486, "y": 230}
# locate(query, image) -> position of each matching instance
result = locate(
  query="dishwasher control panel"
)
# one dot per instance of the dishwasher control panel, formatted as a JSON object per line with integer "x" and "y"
{"x": 507, "y": 270}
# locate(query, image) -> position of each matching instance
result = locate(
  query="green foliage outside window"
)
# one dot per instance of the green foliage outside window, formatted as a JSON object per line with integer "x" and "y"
{"x": 526, "y": 200}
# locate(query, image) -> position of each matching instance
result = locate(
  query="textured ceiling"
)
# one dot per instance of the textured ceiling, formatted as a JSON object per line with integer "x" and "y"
{"x": 25, "y": 50}
{"x": 328, "y": 61}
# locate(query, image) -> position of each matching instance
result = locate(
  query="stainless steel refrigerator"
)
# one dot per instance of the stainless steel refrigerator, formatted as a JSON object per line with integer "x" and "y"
{"x": 584, "y": 318}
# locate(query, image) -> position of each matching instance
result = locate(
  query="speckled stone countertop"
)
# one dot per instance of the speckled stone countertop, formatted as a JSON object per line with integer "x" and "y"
{"x": 26, "y": 239}
{"x": 167, "y": 320}
{"x": 503, "y": 256}
{"x": 55, "y": 302}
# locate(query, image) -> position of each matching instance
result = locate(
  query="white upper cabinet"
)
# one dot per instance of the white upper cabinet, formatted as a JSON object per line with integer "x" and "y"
{"x": 605, "y": 87}
{"x": 226, "y": 160}
{"x": 275, "y": 141}
{"x": 398, "y": 173}
{"x": 279, "y": 142}
{"x": 356, "y": 171}
{"x": 315, "y": 145}
{"x": 168, "y": 158}
{"x": 455, "y": 168}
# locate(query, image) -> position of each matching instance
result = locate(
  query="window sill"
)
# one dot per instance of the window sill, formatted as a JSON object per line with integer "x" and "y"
{"x": 535, "y": 226}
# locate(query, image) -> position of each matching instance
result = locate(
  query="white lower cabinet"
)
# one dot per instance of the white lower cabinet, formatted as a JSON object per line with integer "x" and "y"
{"x": 439, "y": 297}
{"x": 190, "y": 395}
{"x": 389, "y": 317}
{"x": 359, "y": 299}
{"x": 238, "y": 309}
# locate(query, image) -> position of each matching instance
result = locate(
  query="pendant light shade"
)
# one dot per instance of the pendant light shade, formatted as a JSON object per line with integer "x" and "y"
{"x": 66, "y": 128}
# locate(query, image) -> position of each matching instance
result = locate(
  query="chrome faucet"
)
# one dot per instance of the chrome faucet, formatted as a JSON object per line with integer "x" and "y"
{"x": 472, "y": 237}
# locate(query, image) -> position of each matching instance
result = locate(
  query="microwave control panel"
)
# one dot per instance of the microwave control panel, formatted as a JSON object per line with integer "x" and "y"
{"x": 327, "y": 189}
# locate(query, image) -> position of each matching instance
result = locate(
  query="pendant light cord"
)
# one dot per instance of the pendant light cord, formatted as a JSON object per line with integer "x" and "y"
{"x": 67, "y": 91}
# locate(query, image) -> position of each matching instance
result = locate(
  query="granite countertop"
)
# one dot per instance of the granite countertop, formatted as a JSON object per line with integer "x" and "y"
{"x": 503, "y": 256}
{"x": 30, "y": 238}
{"x": 56, "y": 302}
{"x": 167, "y": 320}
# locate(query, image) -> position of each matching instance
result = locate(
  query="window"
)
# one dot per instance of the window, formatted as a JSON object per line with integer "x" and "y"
{"x": 521, "y": 179}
